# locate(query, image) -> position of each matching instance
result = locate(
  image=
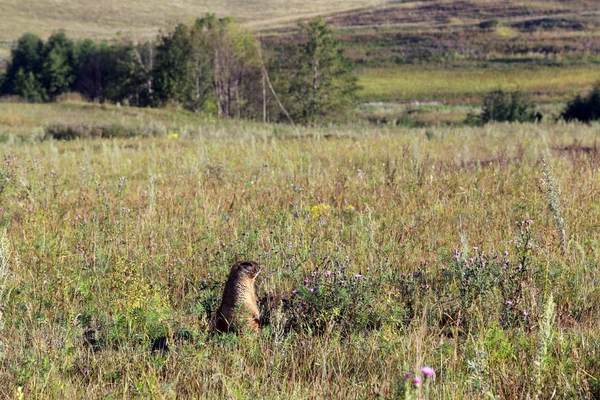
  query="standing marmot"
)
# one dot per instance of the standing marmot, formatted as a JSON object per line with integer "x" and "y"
{"x": 238, "y": 308}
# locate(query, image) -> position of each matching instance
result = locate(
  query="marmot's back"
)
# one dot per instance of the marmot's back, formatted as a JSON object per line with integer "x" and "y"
{"x": 238, "y": 307}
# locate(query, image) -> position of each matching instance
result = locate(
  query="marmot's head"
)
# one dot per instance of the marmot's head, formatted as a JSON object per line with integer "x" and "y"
{"x": 249, "y": 269}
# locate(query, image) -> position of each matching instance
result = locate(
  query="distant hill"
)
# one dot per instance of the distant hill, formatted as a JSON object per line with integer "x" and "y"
{"x": 143, "y": 18}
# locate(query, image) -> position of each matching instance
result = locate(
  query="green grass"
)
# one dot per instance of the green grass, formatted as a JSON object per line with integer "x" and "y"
{"x": 133, "y": 238}
{"x": 429, "y": 83}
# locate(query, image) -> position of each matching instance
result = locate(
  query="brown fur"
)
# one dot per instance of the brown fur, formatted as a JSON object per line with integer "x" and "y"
{"x": 238, "y": 307}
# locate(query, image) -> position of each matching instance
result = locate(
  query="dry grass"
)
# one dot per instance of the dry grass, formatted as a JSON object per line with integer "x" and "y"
{"x": 129, "y": 236}
{"x": 143, "y": 19}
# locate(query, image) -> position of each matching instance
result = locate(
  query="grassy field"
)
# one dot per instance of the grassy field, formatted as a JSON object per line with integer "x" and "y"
{"x": 471, "y": 250}
{"x": 460, "y": 85}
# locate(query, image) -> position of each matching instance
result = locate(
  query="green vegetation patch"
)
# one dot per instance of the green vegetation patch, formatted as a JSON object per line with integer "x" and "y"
{"x": 405, "y": 83}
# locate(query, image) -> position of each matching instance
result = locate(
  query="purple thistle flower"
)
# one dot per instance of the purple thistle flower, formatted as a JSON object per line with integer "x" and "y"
{"x": 305, "y": 282}
{"x": 328, "y": 273}
{"x": 294, "y": 292}
{"x": 358, "y": 276}
{"x": 311, "y": 289}
{"x": 417, "y": 381}
{"x": 525, "y": 314}
{"x": 509, "y": 303}
{"x": 428, "y": 371}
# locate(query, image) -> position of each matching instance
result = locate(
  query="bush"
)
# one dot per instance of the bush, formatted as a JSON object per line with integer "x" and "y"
{"x": 60, "y": 131}
{"x": 584, "y": 109}
{"x": 334, "y": 299}
{"x": 489, "y": 24}
{"x": 504, "y": 106}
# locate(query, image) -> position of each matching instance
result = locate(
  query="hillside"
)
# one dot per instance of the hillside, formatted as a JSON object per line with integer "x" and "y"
{"x": 100, "y": 19}
{"x": 550, "y": 49}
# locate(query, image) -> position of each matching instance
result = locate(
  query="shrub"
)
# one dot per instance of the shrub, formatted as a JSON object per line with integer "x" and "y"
{"x": 504, "y": 106}
{"x": 333, "y": 299}
{"x": 59, "y": 131}
{"x": 489, "y": 24}
{"x": 584, "y": 109}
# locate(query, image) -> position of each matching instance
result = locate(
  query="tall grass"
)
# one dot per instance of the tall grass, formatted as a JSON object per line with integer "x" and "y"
{"x": 115, "y": 245}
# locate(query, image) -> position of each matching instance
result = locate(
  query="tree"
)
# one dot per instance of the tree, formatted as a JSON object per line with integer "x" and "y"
{"x": 235, "y": 67}
{"x": 58, "y": 73}
{"x": 118, "y": 72}
{"x": 211, "y": 66}
{"x": 26, "y": 62}
{"x": 171, "y": 78}
{"x": 584, "y": 108}
{"x": 321, "y": 84}
{"x": 503, "y": 106}
{"x": 27, "y": 86}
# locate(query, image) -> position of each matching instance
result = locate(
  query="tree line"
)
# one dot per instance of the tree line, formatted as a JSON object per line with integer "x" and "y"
{"x": 212, "y": 66}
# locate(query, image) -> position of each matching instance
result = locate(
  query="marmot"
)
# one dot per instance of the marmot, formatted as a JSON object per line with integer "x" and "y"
{"x": 238, "y": 308}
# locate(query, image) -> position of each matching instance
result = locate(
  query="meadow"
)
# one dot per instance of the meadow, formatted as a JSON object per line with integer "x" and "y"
{"x": 470, "y": 250}
{"x": 462, "y": 85}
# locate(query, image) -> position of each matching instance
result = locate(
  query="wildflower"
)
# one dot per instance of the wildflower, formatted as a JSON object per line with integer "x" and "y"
{"x": 468, "y": 282}
{"x": 305, "y": 282}
{"x": 342, "y": 281}
{"x": 328, "y": 273}
{"x": 311, "y": 289}
{"x": 475, "y": 248}
{"x": 416, "y": 381}
{"x": 525, "y": 314}
{"x": 427, "y": 287}
{"x": 505, "y": 253}
{"x": 294, "y": 292}
{"x": 173, "y": 136}
{"x": 358, "y": 276}
{"x": 509, "y": 303}
{"x": 319, "y": 211}
{"x": 428, "y": 371}
{"x": 518, "y": 267}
